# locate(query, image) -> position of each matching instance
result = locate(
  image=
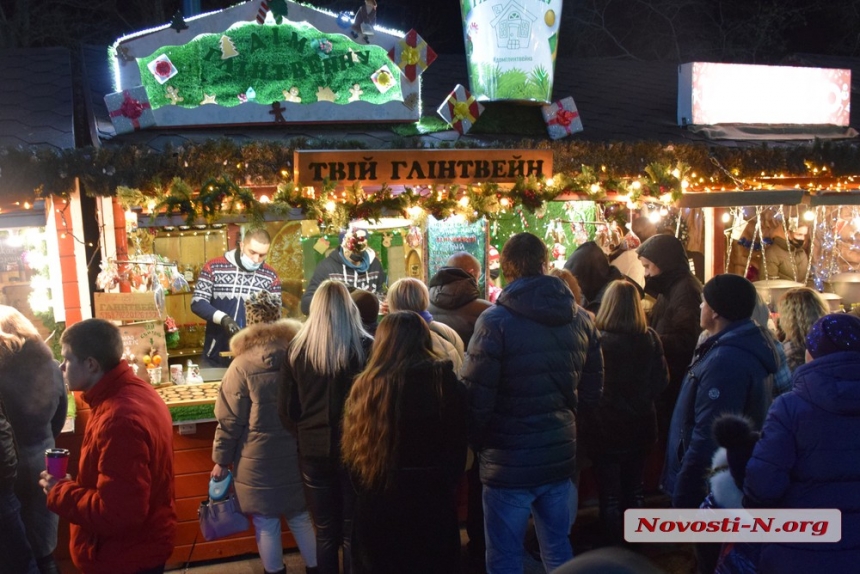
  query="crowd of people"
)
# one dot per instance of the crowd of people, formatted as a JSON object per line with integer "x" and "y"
{"x": 359, "y": 432}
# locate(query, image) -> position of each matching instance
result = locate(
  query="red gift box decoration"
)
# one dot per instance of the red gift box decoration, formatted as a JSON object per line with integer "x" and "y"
{"x": 130, "y": 110}
{"x": 412, "y": 55}
{"x": 460, "y": 109}
{"x": 562, "y": 118}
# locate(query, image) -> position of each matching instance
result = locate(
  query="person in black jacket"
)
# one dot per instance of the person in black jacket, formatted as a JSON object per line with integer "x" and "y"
{"x": 625, "y": 424}
{"x": 675, "y": 315}
{"x": 532, "y": 362}
{"x": 404, "y": 440}
{"x": 353, "y": 263}
{"x": 456, "y": 301}
{"x": 590, "y": 265}
{"x": 454, "y": 296}
{"x": 15, "y": 554}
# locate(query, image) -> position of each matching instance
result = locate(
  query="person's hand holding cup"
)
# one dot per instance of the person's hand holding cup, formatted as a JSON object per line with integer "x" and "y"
{"x": 57, "y": 462}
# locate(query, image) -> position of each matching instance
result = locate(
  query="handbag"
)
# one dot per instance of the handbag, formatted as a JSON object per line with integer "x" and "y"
{"x": 221, "y": 518}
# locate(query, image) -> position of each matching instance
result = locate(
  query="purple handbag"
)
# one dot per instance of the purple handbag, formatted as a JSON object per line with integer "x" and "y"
{"x": 221, "y": 518}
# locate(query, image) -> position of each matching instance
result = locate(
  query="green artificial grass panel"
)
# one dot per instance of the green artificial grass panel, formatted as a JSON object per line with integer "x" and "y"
{"x": 272, "y": 60}
{"x": 192, "y": 413}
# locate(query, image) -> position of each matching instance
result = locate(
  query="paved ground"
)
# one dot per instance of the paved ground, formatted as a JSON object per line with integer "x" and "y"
{"x": 670, "y": 558}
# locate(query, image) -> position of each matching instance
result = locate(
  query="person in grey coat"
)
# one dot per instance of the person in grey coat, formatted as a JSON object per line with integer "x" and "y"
{"x": 251, "y": 439}
{"x": 31, "y": 386}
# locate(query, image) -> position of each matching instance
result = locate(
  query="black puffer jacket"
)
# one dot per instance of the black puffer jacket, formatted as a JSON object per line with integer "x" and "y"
{"x": 455, "y": 301}
{"x": 531, "y": 358}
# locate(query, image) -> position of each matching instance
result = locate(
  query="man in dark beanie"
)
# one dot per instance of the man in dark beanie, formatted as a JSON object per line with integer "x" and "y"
{"x": 730, "y": 373}
{"x": 675, "y": 315}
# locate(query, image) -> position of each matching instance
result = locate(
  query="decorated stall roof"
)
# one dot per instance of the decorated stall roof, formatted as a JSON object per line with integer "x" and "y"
{"x": 261, "y": 63}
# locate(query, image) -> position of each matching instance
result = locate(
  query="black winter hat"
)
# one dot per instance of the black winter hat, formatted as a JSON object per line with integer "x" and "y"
{"x": 665, "y": 251}
{"x": 733, "y": 297}
{"x": 735, "y": 434}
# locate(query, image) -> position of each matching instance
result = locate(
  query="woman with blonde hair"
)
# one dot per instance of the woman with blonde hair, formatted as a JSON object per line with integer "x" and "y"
{"x": 32, "y": 389}
{"x": 625, "y": 425}
{"x": 410, "y": 294}
{"x": 251, "y": 439}
{"x": 404, "y": 441}
{"x": 798, "y": 309}
{"x": 325, "y": 356}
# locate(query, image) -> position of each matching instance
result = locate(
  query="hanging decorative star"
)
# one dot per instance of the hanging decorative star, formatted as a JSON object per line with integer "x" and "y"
{"x": 208, "y": 99}
{"x": 178, "y": 22}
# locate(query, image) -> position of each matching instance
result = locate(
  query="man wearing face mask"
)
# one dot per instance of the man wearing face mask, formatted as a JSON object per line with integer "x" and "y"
{"x": 353, "y": 263}
{"x": 223, "y": 286}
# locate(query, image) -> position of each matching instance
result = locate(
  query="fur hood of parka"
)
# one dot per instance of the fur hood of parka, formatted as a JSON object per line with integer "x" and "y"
{"x": 254, "y": 336}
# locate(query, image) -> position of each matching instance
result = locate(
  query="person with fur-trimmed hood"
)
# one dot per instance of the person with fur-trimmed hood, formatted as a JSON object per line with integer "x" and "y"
{"x": 251, "y": 439}
{"x": 353, "y": 263}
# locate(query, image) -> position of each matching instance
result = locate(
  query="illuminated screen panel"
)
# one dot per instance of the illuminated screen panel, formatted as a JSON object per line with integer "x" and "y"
{"x": 713, "y": 93}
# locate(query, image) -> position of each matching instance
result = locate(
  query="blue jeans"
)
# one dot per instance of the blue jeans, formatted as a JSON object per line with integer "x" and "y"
{"x": 506, "y": 516}
{"x": 15, "y": 554}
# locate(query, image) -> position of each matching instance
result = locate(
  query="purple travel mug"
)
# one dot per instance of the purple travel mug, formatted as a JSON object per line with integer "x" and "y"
{"x": 57, "y": 461}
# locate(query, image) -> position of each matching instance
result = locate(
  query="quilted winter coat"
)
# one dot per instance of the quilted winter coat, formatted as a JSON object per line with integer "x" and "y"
{"x": 250, "y": 436}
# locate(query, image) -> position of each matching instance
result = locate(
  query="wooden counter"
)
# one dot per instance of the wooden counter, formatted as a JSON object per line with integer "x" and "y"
{"x": 192, "y": 463}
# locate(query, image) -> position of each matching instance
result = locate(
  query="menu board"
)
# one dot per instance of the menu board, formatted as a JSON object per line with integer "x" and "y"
{"x": 445, "y": 238}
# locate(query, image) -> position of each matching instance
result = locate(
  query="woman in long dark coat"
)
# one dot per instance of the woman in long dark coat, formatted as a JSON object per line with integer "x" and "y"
{"x": 404, "y": 441}
{"x": 625, "y": 425}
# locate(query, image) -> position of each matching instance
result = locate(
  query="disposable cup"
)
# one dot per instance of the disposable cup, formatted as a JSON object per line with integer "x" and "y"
{"x": 57, "y": 461}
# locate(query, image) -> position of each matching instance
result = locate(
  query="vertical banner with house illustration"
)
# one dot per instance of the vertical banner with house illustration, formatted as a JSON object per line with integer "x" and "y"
{"x": 511, "y": 47}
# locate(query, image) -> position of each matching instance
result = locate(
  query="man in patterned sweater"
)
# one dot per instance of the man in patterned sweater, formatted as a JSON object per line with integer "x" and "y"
{"x": 223, "y": 286}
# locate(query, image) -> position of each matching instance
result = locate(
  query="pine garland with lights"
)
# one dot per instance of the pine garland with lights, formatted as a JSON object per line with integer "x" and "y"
{"x": 201, "y": 174}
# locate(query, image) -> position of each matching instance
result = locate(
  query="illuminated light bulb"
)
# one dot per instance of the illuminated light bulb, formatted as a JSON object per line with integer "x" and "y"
{"x": 330, "y": 206}
{"x": 505, "y": 202}
{"x": 685, "y": 184}
{"x": 265, "y": 199}
{"x": 150, "y": 205}
{"x": 464, "y": 201}
{"x": 637, "y": 185}
{"x": 693, "y": 175}
{"x": 414, "y": 211}
{"x": 726, "y": 217}
{"x": 595, "y": 187}
{"x": 676, "y": 173}
{"x": 550, "y": 182}
{"x": 284, "y": 173}
{"x": 664, "y": 212}
{"x": 809, "y": 215}
{"x": 856, "y": 222}
{"x": 27, "y": 205}
{"x": 654, "y": 217}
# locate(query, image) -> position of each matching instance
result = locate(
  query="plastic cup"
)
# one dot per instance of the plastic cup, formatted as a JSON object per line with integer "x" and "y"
{"x": 57, "y": 461}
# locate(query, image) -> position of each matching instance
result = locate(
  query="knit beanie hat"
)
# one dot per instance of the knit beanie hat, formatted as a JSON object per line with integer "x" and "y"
{"x": 262, "y": 307}
{"x": 832, "y": 334}
{"x": 733, "y": 297}
{"x": 735, "y": 434}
